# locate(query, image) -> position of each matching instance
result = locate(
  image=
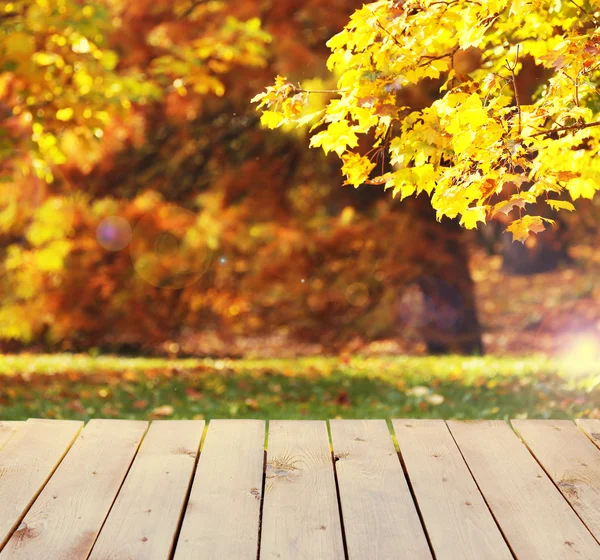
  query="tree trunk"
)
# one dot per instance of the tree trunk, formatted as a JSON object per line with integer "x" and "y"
{"x": 448, "y": 321}
{"x": 451, "y": 324}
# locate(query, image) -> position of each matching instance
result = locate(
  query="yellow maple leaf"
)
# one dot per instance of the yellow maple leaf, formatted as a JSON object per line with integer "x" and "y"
{"x": 584, "y": 188}
{"x": 471, "y": 115}
{"x": 560, "y": 205}
{"x": 357, "y": 168}
{"x": 272, "y": 119}
{"x": 522, "y": 227}
{"x": 473, "y": 215}
{"x": 337, "y": 138}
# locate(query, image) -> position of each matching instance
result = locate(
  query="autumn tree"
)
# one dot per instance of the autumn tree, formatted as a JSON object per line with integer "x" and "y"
{"x": 478, "y": 150}
{"x": 168, "y": 209}
{"x": 144, "y": 183}
{"x": 76, "y": 84}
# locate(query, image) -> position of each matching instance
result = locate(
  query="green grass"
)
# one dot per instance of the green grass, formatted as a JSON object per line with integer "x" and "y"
{"x": 83, "y": 387}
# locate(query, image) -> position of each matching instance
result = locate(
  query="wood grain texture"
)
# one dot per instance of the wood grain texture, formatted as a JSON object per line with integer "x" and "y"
{"x": 65, "y": 519}
{"x": 27, "y": 460}
{"x": 144, "y": 519}
{"x": 223, "y": 512}
{"x": 380, "y": 517}
{"x": 571, "y": 460}
{"x": 457, "y": 519}
{"x": 534, "y": 517}
{"x": 591, "y": 428}
{"x": 7, "y": 430}
{"x": 300, "y": 511}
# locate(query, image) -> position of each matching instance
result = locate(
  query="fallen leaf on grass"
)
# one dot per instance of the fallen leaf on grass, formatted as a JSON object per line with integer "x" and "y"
{"x": 193, "y": 394}
{"x": 162, "y": 411}
{"x": 418, "y": 391}
{"x": 435, "y": 399}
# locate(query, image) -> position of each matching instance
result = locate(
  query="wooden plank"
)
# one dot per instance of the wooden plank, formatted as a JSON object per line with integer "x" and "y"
{"x": 300, "y": 510}
{"x": 380, "y": 517}
{"x": 591, "y": 428}
{"x": 26, "y": 462}
{"x": 571, "y": 460}
{"x": 65, "y": 519}
{"x": 223, "y": 512}
{"x": 535, "y": 519}
{"x": 7, "y": 430}
{"x": 457, "y": 519}
{"x": 144, "y": 519}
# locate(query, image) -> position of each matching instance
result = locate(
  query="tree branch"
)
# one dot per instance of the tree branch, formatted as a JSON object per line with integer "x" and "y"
{"x": 565, "y": 129}
{"x": 300, "y": 90}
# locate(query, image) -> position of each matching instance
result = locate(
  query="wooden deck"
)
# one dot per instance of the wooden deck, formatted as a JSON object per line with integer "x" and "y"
{"x": 120, "y": 489}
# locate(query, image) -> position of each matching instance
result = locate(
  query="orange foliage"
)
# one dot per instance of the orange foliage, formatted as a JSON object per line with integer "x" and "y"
{"x": 184, "y": 215}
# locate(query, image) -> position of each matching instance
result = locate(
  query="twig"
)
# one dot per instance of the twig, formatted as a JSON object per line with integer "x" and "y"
{"x": 300, "y": 90}
{"x": 582, "y": 9}
{"x": 511, "y": 69}
{"x": 578, "y": 6}
{"x": 568, "y": 128}
{"x": 430, "y": 58}
{"x": 391, "y": 36}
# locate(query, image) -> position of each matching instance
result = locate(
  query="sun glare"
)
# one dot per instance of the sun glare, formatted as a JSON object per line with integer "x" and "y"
{"x": 582, "y": 352}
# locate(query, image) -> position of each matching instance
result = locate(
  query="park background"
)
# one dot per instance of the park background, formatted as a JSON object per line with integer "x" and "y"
{"x": 163, "y": 254}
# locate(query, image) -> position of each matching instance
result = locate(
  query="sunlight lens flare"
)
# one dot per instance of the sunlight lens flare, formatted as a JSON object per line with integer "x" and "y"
{"x": 582, "y": 353}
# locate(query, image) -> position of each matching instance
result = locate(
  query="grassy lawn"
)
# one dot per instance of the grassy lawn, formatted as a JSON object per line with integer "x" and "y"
{"x": 83, "y": 387}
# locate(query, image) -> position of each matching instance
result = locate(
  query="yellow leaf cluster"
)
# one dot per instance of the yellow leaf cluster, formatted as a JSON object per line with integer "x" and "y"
{"x": 479, "y": 149}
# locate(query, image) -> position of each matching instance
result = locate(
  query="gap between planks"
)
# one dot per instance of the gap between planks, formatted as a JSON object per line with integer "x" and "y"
{"x": 570, "y": 460}
{"x": 534, "y": 516}
{"x": 591, "y": 428}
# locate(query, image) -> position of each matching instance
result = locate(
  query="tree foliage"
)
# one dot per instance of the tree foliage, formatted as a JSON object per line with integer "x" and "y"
{"x": 480, "y": 149}
{"x": 76, "y": 86}
{"x": 155, "y": 206}
{"x": 223, "y": 226}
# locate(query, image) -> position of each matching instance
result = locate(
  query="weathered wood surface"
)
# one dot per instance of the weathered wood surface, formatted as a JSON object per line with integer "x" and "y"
{"x": 7, "y": 430}
{"x": 592, "y": 429}
{"x": 223, "y": 513}
{"x": 534, "y": 517}
{"x": 380, "y": 517}
{"x": 27, "y": 461}
{"x": 300, "y": 512}
{"x": 143, "y": 522}
{"x": 571, "y": 460}
{"x": 67, "y": 516}
{"x": 455, "y": 514}
{"x": 456, "y": 490}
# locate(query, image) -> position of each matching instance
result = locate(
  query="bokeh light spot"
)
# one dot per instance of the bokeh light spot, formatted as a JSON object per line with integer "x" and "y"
{"x": 166, "y": 244}
{"x": 113, "y": 233}
{"x": 357, "y": 294}
{"x": 167, "y": 250}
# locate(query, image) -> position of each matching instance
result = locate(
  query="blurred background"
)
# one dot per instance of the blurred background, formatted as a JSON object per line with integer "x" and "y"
{"x": 144, "y": 210}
